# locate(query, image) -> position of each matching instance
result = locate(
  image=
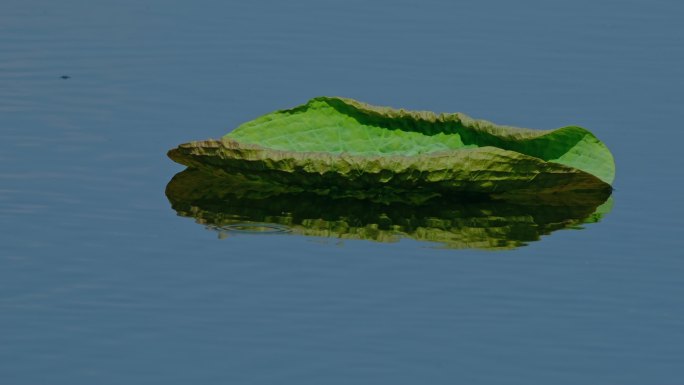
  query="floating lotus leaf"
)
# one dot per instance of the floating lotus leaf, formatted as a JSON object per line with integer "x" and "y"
{"x": 335, "y": 143}
{"x": 228, "y": 203}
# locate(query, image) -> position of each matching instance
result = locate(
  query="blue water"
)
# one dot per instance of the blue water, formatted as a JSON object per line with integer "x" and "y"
{"x": 102, "y": 283}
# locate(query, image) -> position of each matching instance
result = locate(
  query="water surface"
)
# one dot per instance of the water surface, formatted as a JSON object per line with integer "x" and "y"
{"x": 102, "y": 282}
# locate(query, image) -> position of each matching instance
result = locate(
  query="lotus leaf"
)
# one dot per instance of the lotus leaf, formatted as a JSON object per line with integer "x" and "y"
{"x": 335, "y": 143}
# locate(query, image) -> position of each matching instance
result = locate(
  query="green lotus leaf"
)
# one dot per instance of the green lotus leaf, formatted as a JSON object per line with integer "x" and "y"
{"x": 330, "y": 143}
{"x": 232, "y": 203}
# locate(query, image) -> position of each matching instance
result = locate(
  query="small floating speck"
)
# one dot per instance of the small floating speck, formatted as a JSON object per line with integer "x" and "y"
{"x": 65, "y": 77}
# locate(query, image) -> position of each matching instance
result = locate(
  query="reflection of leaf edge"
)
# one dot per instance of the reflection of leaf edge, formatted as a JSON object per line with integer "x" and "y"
{"x": 212, "y": 201}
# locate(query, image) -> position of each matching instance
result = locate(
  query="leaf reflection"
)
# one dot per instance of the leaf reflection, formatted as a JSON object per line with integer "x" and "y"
{"x": 234, "y": 204}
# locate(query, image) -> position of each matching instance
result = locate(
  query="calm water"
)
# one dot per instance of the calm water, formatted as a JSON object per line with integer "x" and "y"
{"x": 102, "y": 283}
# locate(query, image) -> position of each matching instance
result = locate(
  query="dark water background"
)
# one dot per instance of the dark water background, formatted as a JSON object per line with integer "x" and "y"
{"x": 101, "y": 282}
